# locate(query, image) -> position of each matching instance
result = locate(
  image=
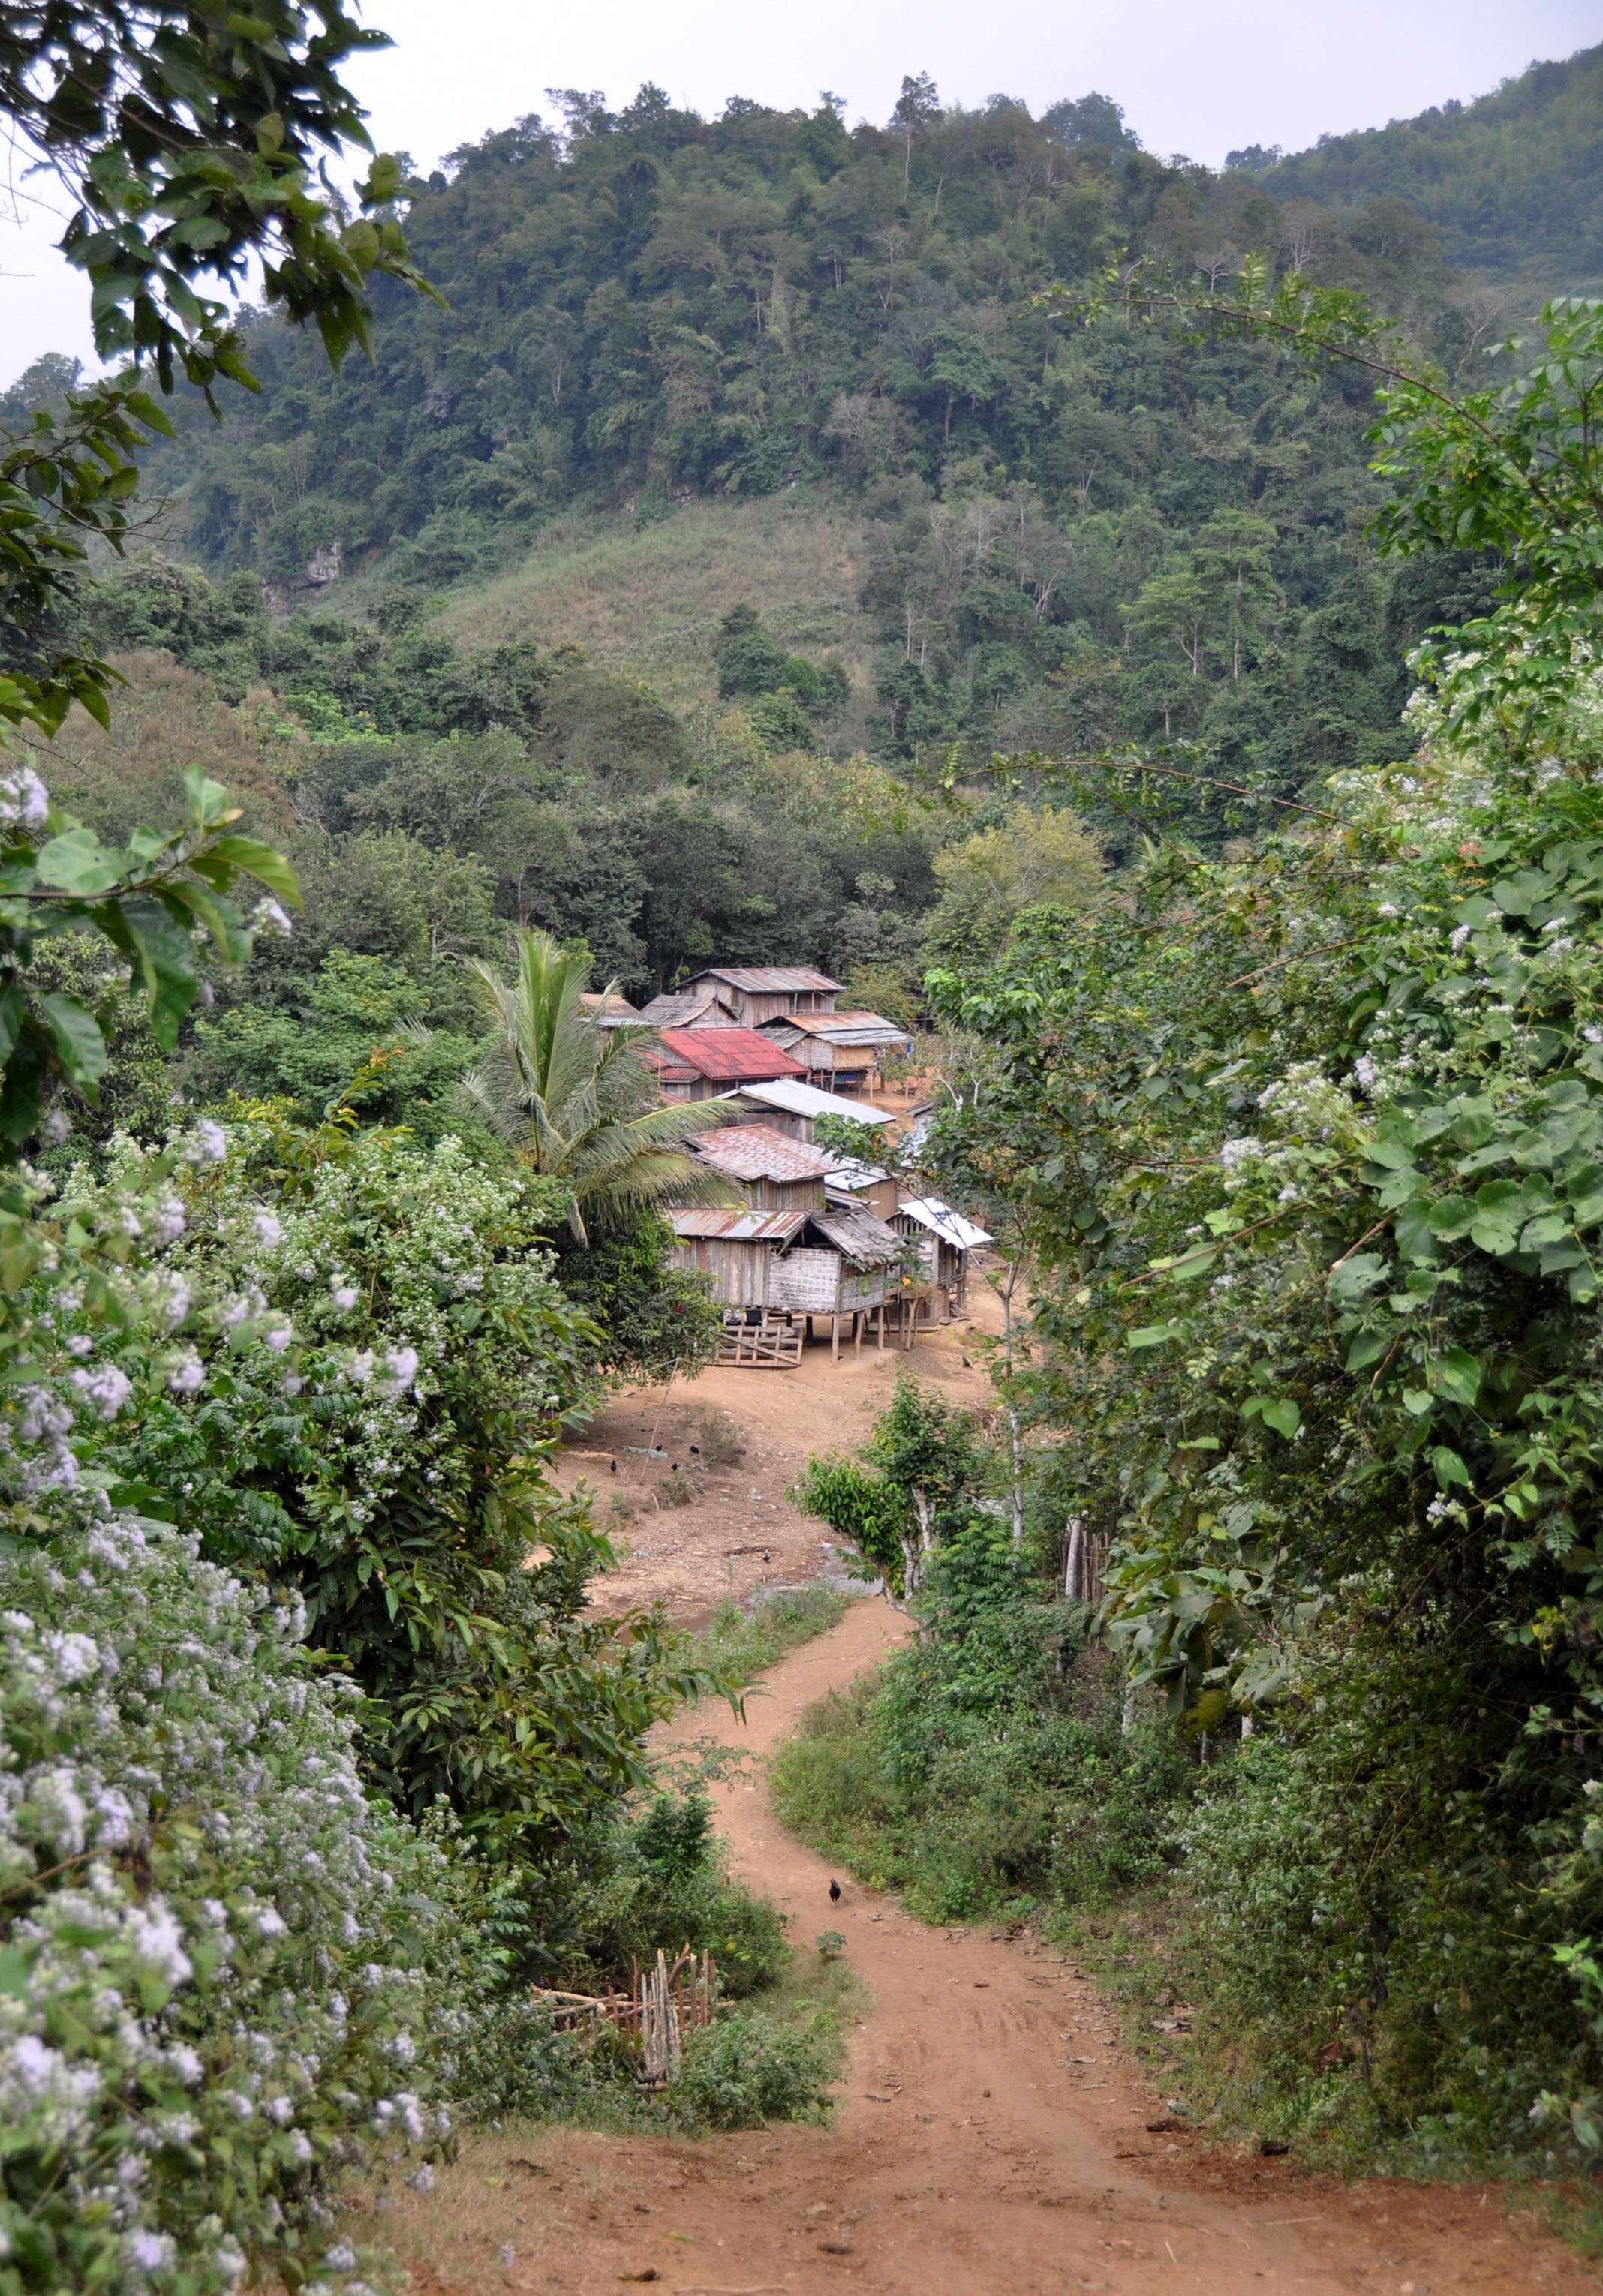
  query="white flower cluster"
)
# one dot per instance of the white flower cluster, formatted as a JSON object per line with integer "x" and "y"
{"x": 231, "y": 1973}
{"x": 24, "y": 799}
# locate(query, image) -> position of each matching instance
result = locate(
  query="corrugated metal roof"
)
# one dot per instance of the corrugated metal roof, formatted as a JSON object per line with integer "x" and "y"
{"x": 769, "y": 979}
{"x": 687, "y": 1006}
{"x": 847, "y": 1028}
{"x": 609, "y": 1011}
{"x": 729, "y": 1055}
{"x": 858, "y": 1233}
{"x": 929, "y": 1211}
{"x": 798, "y": 1099}
{"x": 850, "y": 1173}
{"x": 734, "y": 1224}
{"x": 756, "y": 1151}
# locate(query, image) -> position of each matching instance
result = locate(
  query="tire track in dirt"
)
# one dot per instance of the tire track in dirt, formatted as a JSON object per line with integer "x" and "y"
{"x": 991, "y": 2136}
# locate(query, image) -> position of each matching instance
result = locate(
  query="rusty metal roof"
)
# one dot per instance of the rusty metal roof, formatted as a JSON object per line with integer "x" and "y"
{"x": 729, "y": 1055}
{"x": 848, "y": 1028}
{"x": 688, "y": 1007}
{"x": 609, "y": 1011}
{"x": 756, "y": 1151}
{"x": 769, "y": 980}
{"x": 858, "y": 1233}
{"x": 736, "y": 1224}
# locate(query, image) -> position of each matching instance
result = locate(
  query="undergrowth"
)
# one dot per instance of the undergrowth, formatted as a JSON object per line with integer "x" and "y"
{"x": 1224, "y": 1890}
{"x": 743, "y": 1640}
{"x": 655, "y": 1877}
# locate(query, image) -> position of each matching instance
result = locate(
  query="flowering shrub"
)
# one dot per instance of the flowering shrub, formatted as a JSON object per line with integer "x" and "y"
{"x": 210, "y": 1988}
{"x": 376, "y": 1430}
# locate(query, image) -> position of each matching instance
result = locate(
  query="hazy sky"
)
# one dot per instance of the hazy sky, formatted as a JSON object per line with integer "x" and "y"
{"x": 1201, "y": 77}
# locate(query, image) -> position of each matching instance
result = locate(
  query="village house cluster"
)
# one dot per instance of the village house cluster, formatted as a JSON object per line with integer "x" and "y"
{"x": 812, "y": 1237}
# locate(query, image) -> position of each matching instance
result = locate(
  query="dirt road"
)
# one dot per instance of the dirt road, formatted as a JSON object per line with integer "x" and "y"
{"x": 992, "y": 2139}
{"x": 692, "y": 1481}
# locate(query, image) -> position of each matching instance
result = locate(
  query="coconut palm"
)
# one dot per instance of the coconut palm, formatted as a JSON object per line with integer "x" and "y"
{"x": 580, "y": 1103}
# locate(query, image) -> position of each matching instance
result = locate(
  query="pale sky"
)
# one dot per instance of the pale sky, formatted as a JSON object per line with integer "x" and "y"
{"x": 1199, "y": 77}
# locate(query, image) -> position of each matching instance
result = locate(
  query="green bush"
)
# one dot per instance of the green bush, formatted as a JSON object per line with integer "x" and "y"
{"x": 663, "y": 1880}
{"x": 744, "y": 2071}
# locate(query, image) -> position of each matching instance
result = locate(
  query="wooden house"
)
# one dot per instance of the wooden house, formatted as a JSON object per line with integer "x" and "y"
{"x": 762, "y": 992}
{"x": 840, "y": 1051}
{"x": 735, "y": 1248}
{"x": 774, "y": 1173}
{"x": 777, "y": 1272}
{"x": 704, "y": 1063}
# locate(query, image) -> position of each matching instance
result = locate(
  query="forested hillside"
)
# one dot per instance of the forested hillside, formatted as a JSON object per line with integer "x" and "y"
{"x": 1513, "y": 182}
{"x": 683, "y": 365}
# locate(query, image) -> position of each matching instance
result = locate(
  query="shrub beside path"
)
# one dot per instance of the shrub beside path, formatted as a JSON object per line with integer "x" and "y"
{"x": 991, "y": 2137}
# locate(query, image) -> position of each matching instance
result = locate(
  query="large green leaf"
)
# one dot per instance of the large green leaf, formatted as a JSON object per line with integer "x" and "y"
{"x": 260, "y": 861}
{"x": 166, "y": 957}
{"x": 78, "y": 1040}
{"x": 76, "y": 862}
{"x": 1456, "y": 1376}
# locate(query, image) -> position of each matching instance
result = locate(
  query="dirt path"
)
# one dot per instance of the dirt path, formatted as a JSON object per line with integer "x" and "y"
{"x": 992, "y": 2138}
{"x": 692, "y": 1481}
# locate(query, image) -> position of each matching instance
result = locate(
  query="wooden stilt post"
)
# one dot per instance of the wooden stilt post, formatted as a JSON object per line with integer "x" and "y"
{"x": 834, "y": 1339}
{"x": 856, "y": 1331}
{"x": 879, "y": 1328}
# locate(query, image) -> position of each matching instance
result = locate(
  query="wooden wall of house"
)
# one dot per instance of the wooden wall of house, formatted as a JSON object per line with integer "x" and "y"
{"x": 862, "y": 1287}
{"x": 783, "y": 1195}
{"x": 740, "y": 1273}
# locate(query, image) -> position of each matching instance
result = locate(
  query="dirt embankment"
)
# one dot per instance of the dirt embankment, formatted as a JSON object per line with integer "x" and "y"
{"x": 992, "y": 2138}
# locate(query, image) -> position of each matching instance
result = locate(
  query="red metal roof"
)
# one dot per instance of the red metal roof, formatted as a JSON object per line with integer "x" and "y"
{"x": 729, "y": 1055}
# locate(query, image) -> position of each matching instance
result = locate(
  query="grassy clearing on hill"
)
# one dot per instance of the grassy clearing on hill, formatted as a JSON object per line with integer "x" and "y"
{"x": 647, "y": 600}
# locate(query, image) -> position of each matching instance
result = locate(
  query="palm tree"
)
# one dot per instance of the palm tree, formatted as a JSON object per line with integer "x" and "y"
{"x": 580, "y": 1103}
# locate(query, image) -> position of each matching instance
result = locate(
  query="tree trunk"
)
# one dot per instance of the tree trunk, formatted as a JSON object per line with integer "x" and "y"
{"x": 1073, "y": 1570}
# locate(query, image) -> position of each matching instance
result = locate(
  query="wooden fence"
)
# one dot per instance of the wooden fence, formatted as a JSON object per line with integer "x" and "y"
{"x": 773, "y": 1345}
{"x": 667, "y": 2000}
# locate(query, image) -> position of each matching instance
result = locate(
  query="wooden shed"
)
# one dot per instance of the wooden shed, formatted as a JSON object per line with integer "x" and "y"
{"x": 944, "y": 1240}
{"x": 842, "y": 1264}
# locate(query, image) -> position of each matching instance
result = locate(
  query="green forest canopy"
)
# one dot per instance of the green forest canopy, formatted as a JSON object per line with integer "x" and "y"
{"x": 1514, "y": 182}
